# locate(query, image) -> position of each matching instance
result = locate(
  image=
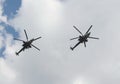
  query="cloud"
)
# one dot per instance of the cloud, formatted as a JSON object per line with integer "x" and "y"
{"x": 98, "y": 63}
{"x": 6, "y": 71}
{"x": 8, "y": 74}
{"x": 6, "y": 54}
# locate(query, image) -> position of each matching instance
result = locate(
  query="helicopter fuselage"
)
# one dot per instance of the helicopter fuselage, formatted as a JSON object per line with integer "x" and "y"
{"x": 84, "y": 38}
{"x": 27, "y": 44}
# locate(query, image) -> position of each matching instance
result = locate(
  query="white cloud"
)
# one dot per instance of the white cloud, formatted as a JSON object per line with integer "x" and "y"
{"x": 81, "y": 80}
{"x": 98, "y": 63}
{"x": 7, "y": 74}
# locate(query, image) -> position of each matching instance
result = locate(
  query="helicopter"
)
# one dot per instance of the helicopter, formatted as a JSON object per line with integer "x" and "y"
{"x": 28, "y": 43}
{"x": 82, "y": 38}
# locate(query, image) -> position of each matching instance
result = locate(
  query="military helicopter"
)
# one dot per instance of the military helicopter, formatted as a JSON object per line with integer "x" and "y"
{"x": 82, "y": 38}
{"x": 27, "y": 44}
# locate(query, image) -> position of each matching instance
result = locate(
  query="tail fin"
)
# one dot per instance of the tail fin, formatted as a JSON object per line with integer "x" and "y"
{"x": 71, "y": 48}
{"x": 16, "y": 53}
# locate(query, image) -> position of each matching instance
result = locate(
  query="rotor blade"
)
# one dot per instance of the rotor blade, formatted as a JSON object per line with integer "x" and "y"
{"x": 37, "y": 38}
{"x": 18, "y": 39}
{"x": 88, "y": 29}
{"x": 78, "y": 30}
{"x": 26, "y": 34}
{"x": 35, "y": 47}
{"x": 74, "y": 38}
{"x": 84, "y": 44}
{"x": 93, "y": 37}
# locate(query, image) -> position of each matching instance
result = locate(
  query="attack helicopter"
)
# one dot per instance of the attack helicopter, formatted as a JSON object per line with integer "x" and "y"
{"x": 27, "y": 44}
{"x": 82, "y": 38}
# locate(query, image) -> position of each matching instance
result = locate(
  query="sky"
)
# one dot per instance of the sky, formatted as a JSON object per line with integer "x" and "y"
{"x": 55, "y": 63}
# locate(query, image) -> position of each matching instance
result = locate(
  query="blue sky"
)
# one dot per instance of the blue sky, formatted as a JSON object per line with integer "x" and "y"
{"x": 10, "y": 8}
